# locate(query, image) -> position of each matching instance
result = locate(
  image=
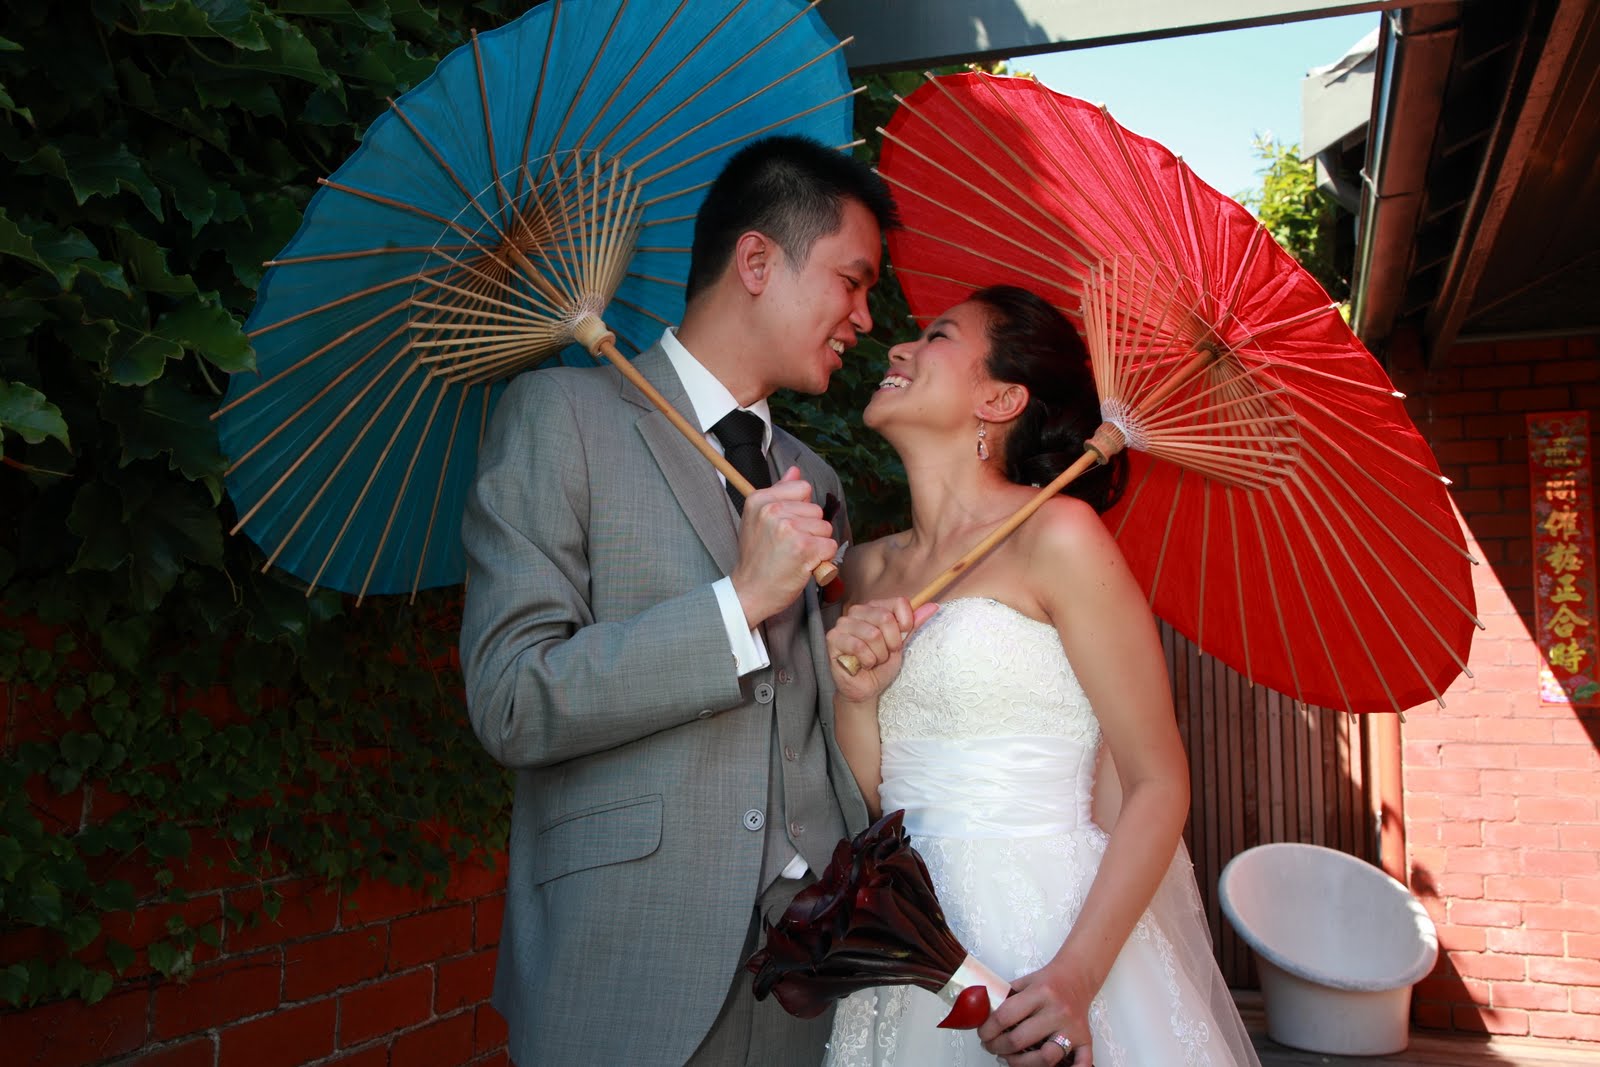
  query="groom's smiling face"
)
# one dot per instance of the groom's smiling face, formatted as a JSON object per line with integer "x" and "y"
{"x": 814, "y": 310}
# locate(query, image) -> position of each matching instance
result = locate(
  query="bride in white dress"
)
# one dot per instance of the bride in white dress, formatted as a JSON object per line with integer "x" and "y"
{"x": 985, "y": 723}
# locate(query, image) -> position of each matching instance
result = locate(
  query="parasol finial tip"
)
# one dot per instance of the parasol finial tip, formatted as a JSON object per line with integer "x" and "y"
{"x": 1397, "y": 394}
{"x": 1445, "y": 480}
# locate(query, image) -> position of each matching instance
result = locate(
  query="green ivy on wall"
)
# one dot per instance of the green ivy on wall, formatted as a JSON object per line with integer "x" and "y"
{"x": 165, "y": 694}
{"x": 171, "y": 705}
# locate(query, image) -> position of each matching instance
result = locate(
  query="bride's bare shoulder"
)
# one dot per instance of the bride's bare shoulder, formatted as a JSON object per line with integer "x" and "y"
{"x": 864, "y": 564}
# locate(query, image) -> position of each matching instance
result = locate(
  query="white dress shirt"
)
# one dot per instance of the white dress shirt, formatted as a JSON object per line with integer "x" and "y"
{"x": 709, "y": 401}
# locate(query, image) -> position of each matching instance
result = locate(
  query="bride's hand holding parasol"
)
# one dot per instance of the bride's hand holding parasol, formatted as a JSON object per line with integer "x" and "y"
{"x": 874, "y": 635}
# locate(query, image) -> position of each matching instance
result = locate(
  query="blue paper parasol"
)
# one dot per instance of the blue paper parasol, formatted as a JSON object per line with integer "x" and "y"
{"x": 534, "y": 198}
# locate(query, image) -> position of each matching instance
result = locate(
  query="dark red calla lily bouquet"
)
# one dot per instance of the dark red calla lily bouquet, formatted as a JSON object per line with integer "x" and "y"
{"x": 872, "y": 919}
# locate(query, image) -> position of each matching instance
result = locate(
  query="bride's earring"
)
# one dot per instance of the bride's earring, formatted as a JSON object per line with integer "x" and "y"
{"x": 983, "y": 443}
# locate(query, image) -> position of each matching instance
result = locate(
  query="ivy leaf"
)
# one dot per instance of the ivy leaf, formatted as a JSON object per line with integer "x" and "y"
{"x": 14, "y": 984}
{"x": 139, "y": 359}
{"x": 211, "y": 331}
{"x": 168, "y": 528}
{"x": 43, "y": 907}
{"x": 168, "y": 841}
{"x": 114, "y": 895}
{"x": 169, "y": 420}
{"x": 10, "y": 105}
{"x": 69, "y": 698}
{"x": 26, "y": 412}
{"x": 164, "y": 957}
{"x": 147, "y": 264}
{"x": 120, "y": 956}
{"x": 278, "y": 47}
{"x": 273, "y": 220}
{"x": 57, "y": 252}
{"x": 414, "y": 16}
{"x": 194, "y": 192}
{"x": 19, "y": 318}
{"x": 8, "y": 45}
{"x": 93, "y": 167}
{"x": 230, "y": 88}
{"x": 126, "y": 641}
{"x": 81, "y": 750}
{"x": 96, "y": 518}
{"x": 11, "y": 857}
{"x": 341, "y": 12}
{"x": 231, "y": 20}
{"x": 80, "y": 930}
{"x": 94, "y": 985}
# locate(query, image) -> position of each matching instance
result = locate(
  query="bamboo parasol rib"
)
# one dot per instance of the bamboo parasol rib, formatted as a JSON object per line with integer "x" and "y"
{"x": 525, "y": 266}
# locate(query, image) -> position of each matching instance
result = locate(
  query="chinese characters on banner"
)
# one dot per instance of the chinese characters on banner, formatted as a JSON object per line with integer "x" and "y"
{"x": 1563, "y": 558}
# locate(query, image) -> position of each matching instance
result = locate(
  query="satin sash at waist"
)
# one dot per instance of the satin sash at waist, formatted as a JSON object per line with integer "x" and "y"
{"x": 989, "y": 786}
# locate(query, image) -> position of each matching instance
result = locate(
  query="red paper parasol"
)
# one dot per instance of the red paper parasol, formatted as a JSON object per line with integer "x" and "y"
{"x": 1282, "y": 511}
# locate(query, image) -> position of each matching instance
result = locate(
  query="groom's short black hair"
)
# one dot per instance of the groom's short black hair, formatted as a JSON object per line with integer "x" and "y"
{"x": 792, "y": 189}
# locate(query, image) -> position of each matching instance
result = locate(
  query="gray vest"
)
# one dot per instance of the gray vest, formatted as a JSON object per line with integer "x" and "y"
{"x": 802, "y": 812}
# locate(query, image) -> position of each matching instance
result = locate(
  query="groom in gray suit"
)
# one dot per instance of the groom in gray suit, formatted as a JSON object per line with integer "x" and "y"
{"x": 646, "y": 650}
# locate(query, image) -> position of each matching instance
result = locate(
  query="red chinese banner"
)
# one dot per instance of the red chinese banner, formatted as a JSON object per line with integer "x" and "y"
{"x": 1563, "y": 558}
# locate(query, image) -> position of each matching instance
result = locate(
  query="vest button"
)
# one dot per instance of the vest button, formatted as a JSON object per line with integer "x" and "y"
{"x": 704, "y": 714}
{"x": 785, "y": 676}
{"x": 790, "y": 754}
{"x": 796, "y": 829}
{"x": 754, "y": 819}
{"x": 763, "y": 693}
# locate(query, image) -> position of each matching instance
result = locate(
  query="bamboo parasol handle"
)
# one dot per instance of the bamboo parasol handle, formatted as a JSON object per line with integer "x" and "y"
{"x": 592, "y": 334}
{"x": 1092, "y": 455}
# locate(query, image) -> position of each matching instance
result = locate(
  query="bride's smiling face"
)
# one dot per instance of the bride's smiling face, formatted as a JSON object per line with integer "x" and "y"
{"x": 934, "y": 380}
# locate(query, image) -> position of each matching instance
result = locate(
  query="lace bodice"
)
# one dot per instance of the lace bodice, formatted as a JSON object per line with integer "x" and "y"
{"x": 979, "y": 668}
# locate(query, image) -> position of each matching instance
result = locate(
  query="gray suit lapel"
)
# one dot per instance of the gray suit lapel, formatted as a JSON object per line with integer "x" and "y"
{"x": 690, "y": 476}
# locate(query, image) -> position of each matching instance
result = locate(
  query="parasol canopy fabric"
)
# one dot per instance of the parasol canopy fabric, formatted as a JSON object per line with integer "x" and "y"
{"x": 1281, "y": 510}
{"x": 545, "y": 175}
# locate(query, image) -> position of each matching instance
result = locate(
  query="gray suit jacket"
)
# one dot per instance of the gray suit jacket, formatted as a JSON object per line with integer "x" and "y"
{"x": 598, "y": 668}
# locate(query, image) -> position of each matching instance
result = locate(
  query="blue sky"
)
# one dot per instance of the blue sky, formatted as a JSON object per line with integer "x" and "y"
{"x": 1206, "y": 96}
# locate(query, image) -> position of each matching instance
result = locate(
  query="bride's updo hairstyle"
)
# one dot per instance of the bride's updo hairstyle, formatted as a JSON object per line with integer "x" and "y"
{"x": 1033, "y": 345}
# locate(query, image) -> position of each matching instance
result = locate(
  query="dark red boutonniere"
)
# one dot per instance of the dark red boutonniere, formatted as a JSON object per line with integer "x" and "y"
{"x": 872, "y": 920}
{"x": 833, "y": 592}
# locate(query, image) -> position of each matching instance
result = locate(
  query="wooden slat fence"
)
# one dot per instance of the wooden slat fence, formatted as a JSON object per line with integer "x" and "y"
{"x": 1262, "y": 769}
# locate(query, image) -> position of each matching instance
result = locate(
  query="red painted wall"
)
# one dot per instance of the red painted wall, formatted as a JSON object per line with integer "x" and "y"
{"x": 1502, "y": 795}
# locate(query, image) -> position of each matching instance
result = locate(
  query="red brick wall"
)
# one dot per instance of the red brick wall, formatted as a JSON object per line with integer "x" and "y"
{"x": 373, "y": 977}
{"x": 376, "y": 976}
{"x": 1502, "y": 795}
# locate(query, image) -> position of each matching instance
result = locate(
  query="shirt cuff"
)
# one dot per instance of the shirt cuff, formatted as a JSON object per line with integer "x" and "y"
{"x": 749, "y": 650}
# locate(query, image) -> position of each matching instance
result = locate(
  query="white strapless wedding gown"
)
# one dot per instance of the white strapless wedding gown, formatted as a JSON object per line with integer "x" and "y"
{"x": 989, "y": 745}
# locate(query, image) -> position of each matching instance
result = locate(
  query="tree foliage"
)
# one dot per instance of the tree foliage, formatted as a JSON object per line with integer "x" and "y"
{"x": 1299, "y": 216}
